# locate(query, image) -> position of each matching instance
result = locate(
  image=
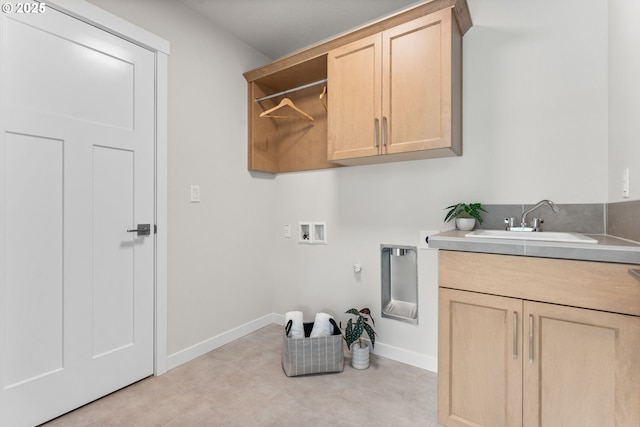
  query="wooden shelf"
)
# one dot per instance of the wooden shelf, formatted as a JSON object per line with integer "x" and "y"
{"x": 287, "y": 145}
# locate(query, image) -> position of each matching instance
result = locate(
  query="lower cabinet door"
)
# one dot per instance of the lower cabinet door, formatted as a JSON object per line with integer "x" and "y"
{"x": 479, "y": 360}
{"x": 581, "y": 368}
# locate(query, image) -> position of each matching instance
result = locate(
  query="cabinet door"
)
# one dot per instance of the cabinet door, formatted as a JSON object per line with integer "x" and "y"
{"x": 583, "y": 368}
{"x": 479, "y": 360}
{"x": 353, "y": 72}
{"x": 417, "y": 84}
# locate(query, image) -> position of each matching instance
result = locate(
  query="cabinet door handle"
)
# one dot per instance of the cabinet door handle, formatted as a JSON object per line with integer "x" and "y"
{"x": 531, "y": 339}
{"x": 384, "y": 131}
{"x": 515, "y": 334}
{"x": 376, "y": 135}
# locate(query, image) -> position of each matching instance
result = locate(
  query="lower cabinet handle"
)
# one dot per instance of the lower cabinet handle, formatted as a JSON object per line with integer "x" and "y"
{"x": 515, "y": 334}
{"x": 384, "y": 131}
{"x": 531, "y": 339}
{"x": 376, "y": 132}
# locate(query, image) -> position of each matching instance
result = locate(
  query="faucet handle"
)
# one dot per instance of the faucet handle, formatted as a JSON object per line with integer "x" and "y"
{"x": 536, "y": 224}
{"x": 510, "y": 222}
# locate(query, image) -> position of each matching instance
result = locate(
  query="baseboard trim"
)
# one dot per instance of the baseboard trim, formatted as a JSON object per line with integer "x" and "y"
{"x": 183, "y": 356}
{"x": 381, "y": 349}
{"x": 278, "y": 319}
{"x": 406, "y": 356}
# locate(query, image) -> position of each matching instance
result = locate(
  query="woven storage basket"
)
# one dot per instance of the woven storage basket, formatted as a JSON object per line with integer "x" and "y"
{"x": 304, "y": 356}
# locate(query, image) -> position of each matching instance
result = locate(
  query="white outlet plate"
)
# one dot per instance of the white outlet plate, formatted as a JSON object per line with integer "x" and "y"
{"x": 424, "y": 234}
{"x": 287, "y": 231}
{"x": 625, "y": 183}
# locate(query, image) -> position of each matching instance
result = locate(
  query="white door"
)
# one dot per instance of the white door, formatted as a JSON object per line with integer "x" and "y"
{"x": 76, "y": 172}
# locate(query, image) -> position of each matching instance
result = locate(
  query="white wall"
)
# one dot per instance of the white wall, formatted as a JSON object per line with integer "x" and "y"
{"x": 624, "y": 97}
{"x": 535, "y": 127}
{"x": 535, "y": 100}
{"x": 216, "y": 253}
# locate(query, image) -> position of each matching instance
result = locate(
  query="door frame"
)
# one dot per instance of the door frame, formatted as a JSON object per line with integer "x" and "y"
{"x": 93, "y": 15}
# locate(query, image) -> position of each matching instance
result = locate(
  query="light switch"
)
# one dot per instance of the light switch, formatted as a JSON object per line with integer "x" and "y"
{"x": 195, "y": 194}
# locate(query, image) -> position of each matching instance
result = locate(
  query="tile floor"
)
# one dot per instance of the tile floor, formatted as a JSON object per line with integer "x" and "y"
{"x": 242, "y": 384}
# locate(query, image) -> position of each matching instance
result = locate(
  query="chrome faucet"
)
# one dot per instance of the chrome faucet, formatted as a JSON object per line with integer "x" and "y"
{"x": 536, "y": 223}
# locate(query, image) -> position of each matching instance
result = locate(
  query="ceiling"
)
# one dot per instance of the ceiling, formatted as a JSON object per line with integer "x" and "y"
{"x": 279, "y": 27}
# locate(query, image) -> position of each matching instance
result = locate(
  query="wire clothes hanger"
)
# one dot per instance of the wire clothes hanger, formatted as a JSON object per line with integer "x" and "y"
{"x": 323, "y": 98}
{"x": 286, "y": 102}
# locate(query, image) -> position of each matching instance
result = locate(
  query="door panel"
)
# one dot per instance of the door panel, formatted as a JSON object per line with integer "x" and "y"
{"x": 419, "y": 113}
{"x": 33, "y": 261}
{"x": 113, "y": 289}
{"x": 582, "y": 369}
{"x": 479, "y": 369}
{"x": 76, "y": 172}
{"x": 354, "y": 73}
{"x": 80, "y": 71}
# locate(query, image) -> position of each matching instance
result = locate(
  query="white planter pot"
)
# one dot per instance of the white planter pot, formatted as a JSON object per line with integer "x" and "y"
{"x": 360, "y": 356}
{"x": 465, "y": 224}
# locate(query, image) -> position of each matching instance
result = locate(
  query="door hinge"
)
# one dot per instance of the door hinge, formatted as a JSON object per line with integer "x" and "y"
{"x": 155, "y": 228}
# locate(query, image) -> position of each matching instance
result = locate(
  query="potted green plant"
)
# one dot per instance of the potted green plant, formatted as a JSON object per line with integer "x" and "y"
{"x": 353, "y": 332}
{"x": 465, "y": 215}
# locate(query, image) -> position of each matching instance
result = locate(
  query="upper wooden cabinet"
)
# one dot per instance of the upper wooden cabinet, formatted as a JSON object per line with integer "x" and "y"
{"x": 401, "y": 74}
{"x": 397, "y": 95}
{"x": 356, "y": 85}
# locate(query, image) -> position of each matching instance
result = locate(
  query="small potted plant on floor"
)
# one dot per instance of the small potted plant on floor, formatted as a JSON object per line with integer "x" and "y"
{"x": 465, "y": 215}
{"x": 353, "y": 335}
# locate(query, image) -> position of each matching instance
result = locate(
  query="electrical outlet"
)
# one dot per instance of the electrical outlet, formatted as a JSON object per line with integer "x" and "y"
{"x": 625, "y": 183}
{"x": 287, "y": 231}
{"x": 424, "y": 238}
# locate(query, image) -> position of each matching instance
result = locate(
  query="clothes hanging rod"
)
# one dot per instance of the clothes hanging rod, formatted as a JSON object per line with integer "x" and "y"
{"x": 295, "y": 89}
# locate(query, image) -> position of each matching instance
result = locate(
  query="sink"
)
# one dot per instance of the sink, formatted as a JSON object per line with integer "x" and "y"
{"x": 550, "y": 236}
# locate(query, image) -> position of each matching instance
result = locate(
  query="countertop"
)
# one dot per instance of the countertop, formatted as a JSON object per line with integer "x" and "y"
{"x": 608, "y": 248}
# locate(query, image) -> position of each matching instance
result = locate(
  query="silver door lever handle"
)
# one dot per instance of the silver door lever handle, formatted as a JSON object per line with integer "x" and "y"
{"x": 142, "y": 230}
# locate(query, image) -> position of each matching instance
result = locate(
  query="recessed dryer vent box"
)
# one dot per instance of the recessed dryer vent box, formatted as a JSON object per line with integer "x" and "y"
{"x": 399, "y": 282}
{"x": 314, "y": 233}
{"x": 319, "y": 233}
{"x": 304, "y": 233}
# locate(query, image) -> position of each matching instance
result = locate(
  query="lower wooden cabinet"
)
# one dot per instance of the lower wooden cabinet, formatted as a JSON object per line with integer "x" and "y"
{"x": 479, "y": 380}
{"x": 582, "y": 367}
{"x": 509, "y": 362}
